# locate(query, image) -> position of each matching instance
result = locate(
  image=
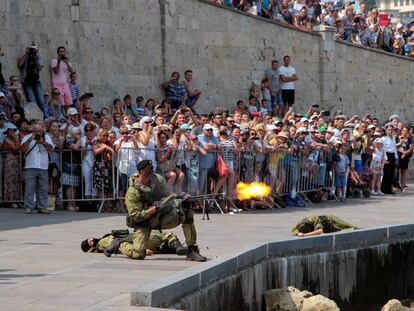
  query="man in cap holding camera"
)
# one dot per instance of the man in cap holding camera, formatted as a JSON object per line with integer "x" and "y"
{"x": 35, "y": 147}
{"x": 31, "y": 63}
{"x": 151, "y": 205}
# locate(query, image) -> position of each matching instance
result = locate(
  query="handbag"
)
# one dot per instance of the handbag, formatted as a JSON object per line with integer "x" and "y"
{"x": 221, "y": 167}
{"x": 168, "y": 164}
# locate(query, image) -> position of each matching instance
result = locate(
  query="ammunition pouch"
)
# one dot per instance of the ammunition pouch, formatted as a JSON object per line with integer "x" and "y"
{"x": 169, "y": 215}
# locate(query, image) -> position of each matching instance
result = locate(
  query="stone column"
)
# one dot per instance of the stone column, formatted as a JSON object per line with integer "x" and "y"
{"x": 327, "y": 66}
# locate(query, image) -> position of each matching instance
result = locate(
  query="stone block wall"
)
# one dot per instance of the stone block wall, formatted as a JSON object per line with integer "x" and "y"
{"x": 131, "y": 46}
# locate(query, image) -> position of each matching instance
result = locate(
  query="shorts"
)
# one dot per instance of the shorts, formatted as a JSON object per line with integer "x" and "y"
{"x": 340, "y": 181}
{"x": 288, "y": 97}
{"x": 358, "y": 166}
{"x": 376, "y": 168}
{"x": 175, "y": 104}
{"x": 65, "y": 99}
{"x": 277, "y": 100}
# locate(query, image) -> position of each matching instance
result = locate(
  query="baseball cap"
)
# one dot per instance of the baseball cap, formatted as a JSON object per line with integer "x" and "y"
{"x": 185, "y": 127}
{"x": 371, "y": 126}
{"x": 136, "y": 126}
{"x": 345, "y": 130}
{"x": 378, "y": 140}
{"x": 304, "y": 120}
{"x": 72, "y": 111}
{"x": 2, "y": 94}
{"x": 207, "y": 126}
{"x": 302, "y": 130}
{"x": 278, "y": 121}
{"x": 341, "y": 116}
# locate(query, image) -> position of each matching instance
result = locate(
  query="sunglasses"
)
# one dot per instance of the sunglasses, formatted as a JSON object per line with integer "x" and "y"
{"x": 125, "y": 133}
{"x": 56, "y": 93}
{"x": 230, "y": 121}
{"x": 88, "y": 130}
{"x": 105, "y": 135}
{"x": 62, "y": 121}
{"x": 89, "y": 112}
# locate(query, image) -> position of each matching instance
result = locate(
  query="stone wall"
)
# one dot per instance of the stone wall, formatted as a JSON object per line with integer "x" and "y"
{"x": 131, "y": 46}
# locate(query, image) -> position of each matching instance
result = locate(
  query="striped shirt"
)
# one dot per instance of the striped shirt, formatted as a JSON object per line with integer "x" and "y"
{"x": 74, "y": 91}
{"x": 175, "y": 91}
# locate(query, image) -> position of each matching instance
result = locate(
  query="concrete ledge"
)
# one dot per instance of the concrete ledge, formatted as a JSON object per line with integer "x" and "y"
{"x": 167, "y": 291}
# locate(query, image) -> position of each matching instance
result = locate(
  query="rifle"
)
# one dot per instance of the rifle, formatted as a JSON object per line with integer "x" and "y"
{"x": 185, "y": 197}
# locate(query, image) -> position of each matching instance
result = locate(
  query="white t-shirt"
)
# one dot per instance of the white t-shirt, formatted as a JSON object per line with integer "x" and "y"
{"x": 128, "y": 153}
{"x": 38, "y": 157}
{"x": 88, "y": 157}
{"x": 287, "y": 72}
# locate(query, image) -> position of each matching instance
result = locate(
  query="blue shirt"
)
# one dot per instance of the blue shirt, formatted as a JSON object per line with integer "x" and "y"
{"x": 342, "y": 165}
{"x": 175, "y": 91}
{"x": 208, "y": 160}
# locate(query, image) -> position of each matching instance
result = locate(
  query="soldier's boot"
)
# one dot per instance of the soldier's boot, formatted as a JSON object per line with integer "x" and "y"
{"x": 180, "y": 250}
{"x": 112, "y": 248}
{"x": 194, "y": 254}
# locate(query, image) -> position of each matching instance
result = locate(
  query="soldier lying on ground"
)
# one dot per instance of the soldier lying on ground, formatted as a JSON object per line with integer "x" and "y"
{"x": 152, "y": 206}
{"x": 315, "y": 225}
{"x": 158, "y": 243}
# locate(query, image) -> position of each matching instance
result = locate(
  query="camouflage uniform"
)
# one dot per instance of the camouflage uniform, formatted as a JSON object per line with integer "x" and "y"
{"x": 158, "y": 243}
{"x": 328, "y": 223}
{"x": 138, "y": 199}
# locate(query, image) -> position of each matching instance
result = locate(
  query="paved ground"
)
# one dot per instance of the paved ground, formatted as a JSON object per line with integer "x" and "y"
{"x": 43, "y": 268}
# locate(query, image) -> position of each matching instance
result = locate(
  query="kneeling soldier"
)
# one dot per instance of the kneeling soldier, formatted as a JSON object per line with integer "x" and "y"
{"x": 158, "y": 243}
{"x": 152, "y": 206}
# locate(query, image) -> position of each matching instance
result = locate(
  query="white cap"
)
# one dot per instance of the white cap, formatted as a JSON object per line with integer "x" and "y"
{"x": 301, "y": 130}
{"x": 304, "y": 120}
{"x": 72, "y": 111}
{"x": 136, "y": 126}
{"x": 2, "y": 94}
{"x": 371, "y": 126}
{"x": 144, "y": 120}
{"x": 207, "y": 126}
{"x": 399, "y": 25}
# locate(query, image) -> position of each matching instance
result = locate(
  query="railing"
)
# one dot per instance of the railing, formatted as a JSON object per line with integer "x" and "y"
{"x": 80, "y": 176}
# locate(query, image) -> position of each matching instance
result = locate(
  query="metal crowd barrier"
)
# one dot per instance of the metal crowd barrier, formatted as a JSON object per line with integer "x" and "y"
{"x": 190, "y": 171}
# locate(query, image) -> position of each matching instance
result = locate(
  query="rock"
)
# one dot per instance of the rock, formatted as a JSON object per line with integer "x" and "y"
{"x": 395, "y": 305}
{"x": 319, "y": 303}
{"x": 280, "y": 300}
{"x": 293, "y": 299}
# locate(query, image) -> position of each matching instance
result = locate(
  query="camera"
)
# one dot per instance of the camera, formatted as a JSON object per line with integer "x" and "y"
{"x": 39, "y": 137}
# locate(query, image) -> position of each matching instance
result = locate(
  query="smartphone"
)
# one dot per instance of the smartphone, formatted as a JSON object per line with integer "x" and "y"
{"x": 326, "y": 113}
{"x": 315, "y": 106}
{"x": 89, "y": 94}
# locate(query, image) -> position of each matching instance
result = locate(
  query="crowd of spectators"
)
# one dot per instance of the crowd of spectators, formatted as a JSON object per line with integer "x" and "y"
{"x": 355, "y": 24}
{"x": 76, "y": 152}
